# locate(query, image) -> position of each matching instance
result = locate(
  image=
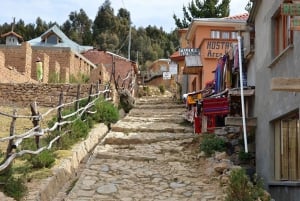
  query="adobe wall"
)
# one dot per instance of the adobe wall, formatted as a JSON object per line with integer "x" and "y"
{"x": 60, "y": 60}
{"x": 22, "y": 94}
{"x": 18, "y": 57}
{"x": 9, "y": 74}
{"x": 122, "y": 65}
{"x": 168, "y": 84}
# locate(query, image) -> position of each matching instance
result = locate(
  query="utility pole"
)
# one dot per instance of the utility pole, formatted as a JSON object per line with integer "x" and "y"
{"x": 129, "y": 43}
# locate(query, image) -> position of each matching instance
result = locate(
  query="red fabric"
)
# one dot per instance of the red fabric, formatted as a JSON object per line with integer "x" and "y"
{"x": 215, "y": 106}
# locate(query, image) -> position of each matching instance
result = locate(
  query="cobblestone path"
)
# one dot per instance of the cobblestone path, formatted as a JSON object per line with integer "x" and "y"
{"x": 148, "y": 155}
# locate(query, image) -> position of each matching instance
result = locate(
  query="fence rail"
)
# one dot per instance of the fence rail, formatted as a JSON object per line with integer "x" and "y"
{"x": 14, "y": 140}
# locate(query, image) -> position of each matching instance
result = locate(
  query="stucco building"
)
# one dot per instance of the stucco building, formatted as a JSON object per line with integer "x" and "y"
{"x": 276, "y": 63}
{"x": 203, "y": 43}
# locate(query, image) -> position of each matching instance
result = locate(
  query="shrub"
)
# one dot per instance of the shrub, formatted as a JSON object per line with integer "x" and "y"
{"x": 212, "y": 143}
{"x": 106, "y": 112}
{"x": 241, "y": 189}
{"x": 15, "y": 188}
{"x": 79, "y": 129}
{"x": 45, "y": 159}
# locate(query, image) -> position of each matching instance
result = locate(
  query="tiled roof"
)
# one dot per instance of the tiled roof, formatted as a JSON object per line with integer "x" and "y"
{"x": 243, "y": 16}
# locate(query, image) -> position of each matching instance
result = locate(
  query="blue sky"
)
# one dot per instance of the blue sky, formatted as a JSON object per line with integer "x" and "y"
{"x": 143, "y": 12}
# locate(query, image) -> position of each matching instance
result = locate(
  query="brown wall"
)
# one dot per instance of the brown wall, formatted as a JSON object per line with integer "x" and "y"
{"x": 18, "y": 57}
{"x": 122, "y": 65}
{"x": 23, "y": 94}
{"x": 60, "y": 60}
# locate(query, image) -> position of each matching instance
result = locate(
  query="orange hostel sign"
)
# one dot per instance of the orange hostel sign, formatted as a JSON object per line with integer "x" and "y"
{"x": 215, "y": 48}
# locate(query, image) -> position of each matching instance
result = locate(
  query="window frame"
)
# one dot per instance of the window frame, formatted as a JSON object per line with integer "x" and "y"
{"x": 282, "y": 33}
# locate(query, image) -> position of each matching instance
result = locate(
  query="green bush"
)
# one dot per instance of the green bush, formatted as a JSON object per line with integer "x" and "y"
{"x": 79, "y": 129}
{"x": 106, "y": 112}
{"x": 241, "y": 189}
{"x": 15, "y": 188}
{"x": 211, "y": 143}
{"x": 45, "y": 159}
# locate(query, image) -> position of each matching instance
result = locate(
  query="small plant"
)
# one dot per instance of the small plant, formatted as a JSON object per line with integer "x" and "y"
{"x": 241, "y": 189}
{"x": 211, "y": 143}
{"x": 54, "y": 77}
{"x": 45, "y": 159}
{"x": 162, "y": 89}
{"x": 15, "y": 188}
{"x": 245, "y": 157}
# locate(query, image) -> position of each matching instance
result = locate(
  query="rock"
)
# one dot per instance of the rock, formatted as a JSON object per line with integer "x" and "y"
{"x": 220, "y": 132}
{"x": 126, "y": 100}
{"x": 107, "y": 189}
{"x": 188, "y": 193}
{"x": 224, "y": 180}
{"x": 177, "y": 185}
{"x": 104, "y": 168}
{"x": 221, "y": 167}
{"x": 220, "y": 155}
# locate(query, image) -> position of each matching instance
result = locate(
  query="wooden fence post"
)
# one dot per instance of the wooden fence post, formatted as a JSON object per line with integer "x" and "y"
{"x": 77, "y": 97}
{"x": 59, "y": 113}
{"x": 35, "y": 122}
{"x": 97, "y": 89}
{"x": 11, "y": 133}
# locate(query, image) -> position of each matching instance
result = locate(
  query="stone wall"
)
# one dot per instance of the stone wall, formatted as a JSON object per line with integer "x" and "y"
{"x": 44, "y": 94}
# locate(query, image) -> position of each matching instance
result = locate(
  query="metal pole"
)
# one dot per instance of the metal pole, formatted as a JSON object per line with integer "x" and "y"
{"x": 242, "y": 94}
{"x": 129, "y": 43}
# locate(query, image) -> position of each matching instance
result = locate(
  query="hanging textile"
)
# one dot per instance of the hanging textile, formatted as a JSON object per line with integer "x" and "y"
{"x": 228, "y": 73}
{"x": 236, "y": 58}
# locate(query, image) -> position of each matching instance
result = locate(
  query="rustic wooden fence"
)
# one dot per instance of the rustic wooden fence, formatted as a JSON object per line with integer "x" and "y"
{"x": 37, "y": 131}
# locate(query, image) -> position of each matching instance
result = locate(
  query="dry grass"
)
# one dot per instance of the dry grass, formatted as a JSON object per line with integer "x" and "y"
{"x": 22, "y": 124}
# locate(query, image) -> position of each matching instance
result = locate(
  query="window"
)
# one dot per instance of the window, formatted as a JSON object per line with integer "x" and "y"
{"x": 234, "y": 35}
{"x": 283, "y": 35}
{"x": 287, "y": 148}
{"x": 223, "y": 34}
{"x": 226, "y": 35}
{"x": 215, "y": 34}
{"x": 52, "y": 39}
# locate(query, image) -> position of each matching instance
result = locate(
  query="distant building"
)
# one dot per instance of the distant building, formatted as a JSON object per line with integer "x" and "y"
{"x": 12, "y": 38}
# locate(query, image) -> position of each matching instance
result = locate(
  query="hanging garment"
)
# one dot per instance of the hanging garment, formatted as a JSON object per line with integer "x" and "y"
{"x": 236, "y": 58}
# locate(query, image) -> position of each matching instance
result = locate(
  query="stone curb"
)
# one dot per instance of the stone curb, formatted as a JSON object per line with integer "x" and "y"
{"x": 67, "y": 168}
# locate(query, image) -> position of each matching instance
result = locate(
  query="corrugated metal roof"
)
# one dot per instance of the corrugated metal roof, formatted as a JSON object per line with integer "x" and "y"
{"x": 64, "y": 41}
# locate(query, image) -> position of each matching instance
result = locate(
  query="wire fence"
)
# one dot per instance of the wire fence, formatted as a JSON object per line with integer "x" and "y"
{"x": 14, "y": 140}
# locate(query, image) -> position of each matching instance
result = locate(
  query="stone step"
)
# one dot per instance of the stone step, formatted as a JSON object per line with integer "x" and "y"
{"x": 160, "y": 106}
{"x": 158, "y": 127}
{"x": 156, "y": 118}
{"x": 163, "y": 150}
{"x": 154, "y": 100}
{"x": 166, "y": 113}
{"x": 120, "y": 138}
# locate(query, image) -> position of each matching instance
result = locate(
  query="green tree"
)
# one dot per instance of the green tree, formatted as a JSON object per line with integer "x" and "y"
{"x": 40, "y": 28}
{"x": 202, "y": 9}
{"x": 105, "y": 19}
{"x": 78, "y": 27}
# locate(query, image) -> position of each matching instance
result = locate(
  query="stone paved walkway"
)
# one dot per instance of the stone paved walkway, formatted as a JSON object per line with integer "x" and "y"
{"x": 148, "y": 155}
